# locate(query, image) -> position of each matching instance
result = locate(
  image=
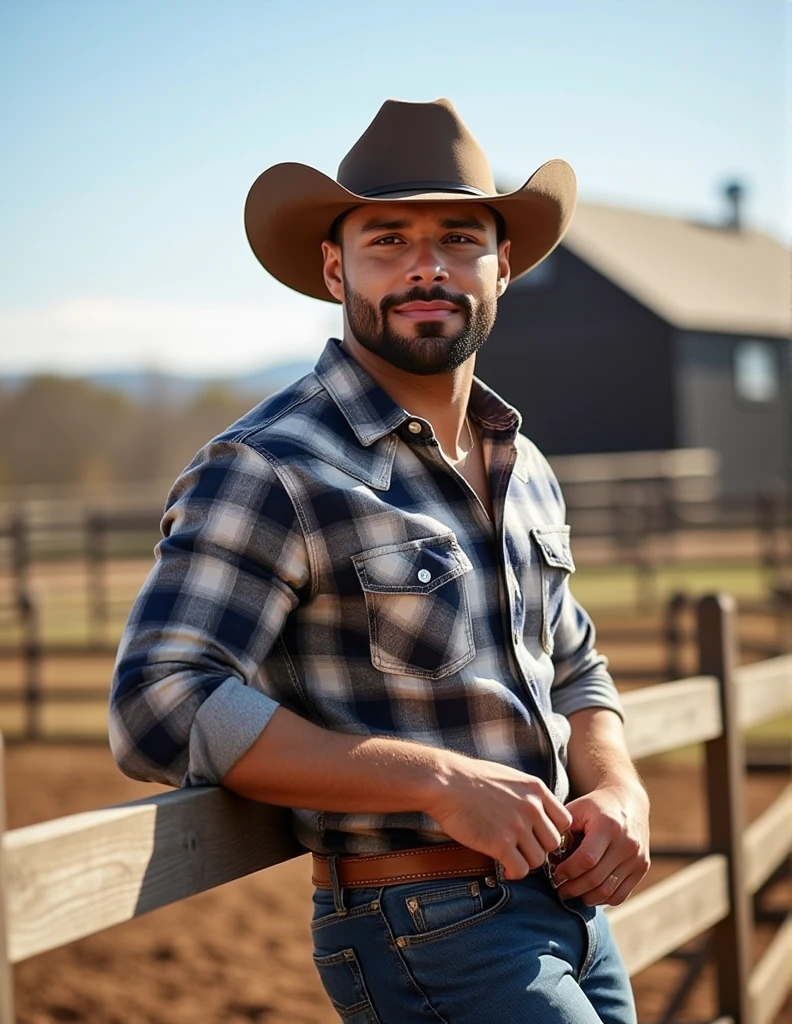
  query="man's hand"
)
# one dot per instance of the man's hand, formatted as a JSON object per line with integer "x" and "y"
{"x": 489, "y": 807}
{"x": 501, "y": 812}
{"x": 614, "y": 854}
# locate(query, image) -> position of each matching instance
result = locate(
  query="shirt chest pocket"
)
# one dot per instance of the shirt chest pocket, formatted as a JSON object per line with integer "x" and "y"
{"x": 555, "y": 566}
{"x": 417, "y": 604}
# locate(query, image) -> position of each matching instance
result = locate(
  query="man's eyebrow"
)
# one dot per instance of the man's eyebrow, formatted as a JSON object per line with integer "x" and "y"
{"x": 469, "y": 223}
{"x": 452, "y": 223}
{"x": 385, "y": 225}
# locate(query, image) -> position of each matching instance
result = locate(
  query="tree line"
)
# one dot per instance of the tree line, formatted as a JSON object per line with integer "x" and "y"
{"x": 63, "y": 430}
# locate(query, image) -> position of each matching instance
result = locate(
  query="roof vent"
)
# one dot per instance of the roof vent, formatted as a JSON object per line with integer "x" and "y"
{"x": 735, "y": 193}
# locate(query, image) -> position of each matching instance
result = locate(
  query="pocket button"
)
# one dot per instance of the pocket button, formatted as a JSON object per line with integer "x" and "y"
{"x": 424, "y": 575}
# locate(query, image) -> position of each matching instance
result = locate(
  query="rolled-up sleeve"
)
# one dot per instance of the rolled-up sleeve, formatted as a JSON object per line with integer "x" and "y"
{"x": 582, "y": 679}
{"x": 231, "y": 566}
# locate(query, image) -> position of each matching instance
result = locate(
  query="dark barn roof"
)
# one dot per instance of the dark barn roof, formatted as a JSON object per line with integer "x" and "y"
{"x": 694, "y": 276}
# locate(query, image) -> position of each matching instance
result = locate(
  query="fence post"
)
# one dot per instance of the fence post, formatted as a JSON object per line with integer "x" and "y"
{"x": 95, "y": 554}
{"x": 675, "y": 634}
{"x": 724, "y": 759}
{"x": 33, "y": 660}
{"x": 20, "y": 554}
{"x": 6, "y": 980}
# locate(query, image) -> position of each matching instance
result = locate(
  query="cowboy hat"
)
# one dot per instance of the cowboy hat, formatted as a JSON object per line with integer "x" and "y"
{"x": 416, "y": 152}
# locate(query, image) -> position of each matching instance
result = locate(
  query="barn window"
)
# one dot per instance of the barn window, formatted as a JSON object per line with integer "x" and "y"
{"x": 756, "y": 371}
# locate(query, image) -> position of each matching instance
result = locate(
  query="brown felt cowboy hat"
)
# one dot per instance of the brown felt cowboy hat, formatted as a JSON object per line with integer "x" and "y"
{"x": 421, "y": 152}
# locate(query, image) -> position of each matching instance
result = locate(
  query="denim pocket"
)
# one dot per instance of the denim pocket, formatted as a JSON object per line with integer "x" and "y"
{"x": 417, "y": 604}
{"x": 426, "y": 911}
{"x": 343, "y": 982}
{"x": 443, "y": 907}
{"x": 357, "y": 903}
{"x": 555, "y": 566}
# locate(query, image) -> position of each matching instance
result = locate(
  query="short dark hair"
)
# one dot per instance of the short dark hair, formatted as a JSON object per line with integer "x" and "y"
{"x": 500, "y": 224}
{"x": 335, "y": 228}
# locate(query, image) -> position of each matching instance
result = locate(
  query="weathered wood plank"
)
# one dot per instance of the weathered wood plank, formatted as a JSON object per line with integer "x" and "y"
{"x": 6, "y": 979}
{"x": 724, "y": 769}
{"x": 771, "y": 979}
{"x": 662, "y": 918}
{"x": 671, "y": 715}
{"x": 77, "y": 875}
{"x": 764, "y": 690}
{"x": 768, "y": 840}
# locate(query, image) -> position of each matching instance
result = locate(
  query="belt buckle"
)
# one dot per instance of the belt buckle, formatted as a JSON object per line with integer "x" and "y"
{"x": 570, "y": 841}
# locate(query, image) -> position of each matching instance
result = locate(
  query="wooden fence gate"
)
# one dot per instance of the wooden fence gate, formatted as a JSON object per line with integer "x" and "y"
{"x": 73, "y": 876}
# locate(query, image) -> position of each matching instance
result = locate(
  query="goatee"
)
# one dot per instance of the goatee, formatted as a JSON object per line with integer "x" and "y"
{"x": 430, "y": 350}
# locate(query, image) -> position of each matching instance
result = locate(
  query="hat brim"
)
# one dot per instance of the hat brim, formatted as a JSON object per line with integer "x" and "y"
{"x": 291, "y": 206}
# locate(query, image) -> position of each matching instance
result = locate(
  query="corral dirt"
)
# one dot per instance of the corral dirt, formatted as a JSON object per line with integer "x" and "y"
{"x": 242, "y": 952}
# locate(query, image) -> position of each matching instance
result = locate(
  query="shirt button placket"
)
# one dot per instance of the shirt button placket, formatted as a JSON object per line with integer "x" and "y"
{"x": 517, "y": 631}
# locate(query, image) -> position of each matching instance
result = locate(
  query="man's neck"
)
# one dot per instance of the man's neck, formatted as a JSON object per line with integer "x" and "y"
{"x": 440, "y": 398}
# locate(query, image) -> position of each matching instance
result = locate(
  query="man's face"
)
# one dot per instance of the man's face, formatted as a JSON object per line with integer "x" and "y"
{"x": 419, "y": 281}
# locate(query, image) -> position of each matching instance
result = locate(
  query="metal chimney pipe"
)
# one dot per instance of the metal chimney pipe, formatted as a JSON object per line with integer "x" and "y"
{"x": 735, "y": 193}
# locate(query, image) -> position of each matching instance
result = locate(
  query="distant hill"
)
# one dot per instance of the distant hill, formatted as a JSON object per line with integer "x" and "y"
{"x": 139, "y": 384}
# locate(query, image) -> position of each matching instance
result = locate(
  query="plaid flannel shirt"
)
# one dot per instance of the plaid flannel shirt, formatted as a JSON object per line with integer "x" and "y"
{"x": 322, "y": 555}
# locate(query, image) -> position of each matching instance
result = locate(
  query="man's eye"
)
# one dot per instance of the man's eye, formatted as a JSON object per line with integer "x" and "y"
{"x": 386, "y": 240}
{"x": 455, "y": 239}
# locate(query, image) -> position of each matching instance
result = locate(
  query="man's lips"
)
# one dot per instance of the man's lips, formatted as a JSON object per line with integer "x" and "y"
{"x": 427, "y": 310}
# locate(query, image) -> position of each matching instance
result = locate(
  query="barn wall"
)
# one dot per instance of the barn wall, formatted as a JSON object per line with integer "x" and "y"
{"x": 753, "y": 438}
{"x": 587, "y": 366}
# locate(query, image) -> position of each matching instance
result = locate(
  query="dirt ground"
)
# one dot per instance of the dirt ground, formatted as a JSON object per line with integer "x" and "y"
{"x": 241, "y": 953}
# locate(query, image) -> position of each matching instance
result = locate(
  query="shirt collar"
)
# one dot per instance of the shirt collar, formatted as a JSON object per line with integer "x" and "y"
{"x": 371, "y": 412}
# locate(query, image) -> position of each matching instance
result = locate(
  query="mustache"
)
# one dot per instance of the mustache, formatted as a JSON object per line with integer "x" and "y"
{"x": 436, "y": 294}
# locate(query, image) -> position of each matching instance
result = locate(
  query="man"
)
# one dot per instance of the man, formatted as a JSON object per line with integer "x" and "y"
{"x": 360, "y": 609}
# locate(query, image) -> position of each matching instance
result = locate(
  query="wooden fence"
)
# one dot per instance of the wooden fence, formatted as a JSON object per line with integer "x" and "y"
{"x": 71, "y": 877}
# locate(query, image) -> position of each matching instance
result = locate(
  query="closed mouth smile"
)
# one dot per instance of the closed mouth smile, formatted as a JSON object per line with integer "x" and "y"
{"x": 436, "y": 310}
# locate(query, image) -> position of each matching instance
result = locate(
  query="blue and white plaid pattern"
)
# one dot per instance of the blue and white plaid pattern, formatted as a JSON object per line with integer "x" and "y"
{"x": 322, "y": 555}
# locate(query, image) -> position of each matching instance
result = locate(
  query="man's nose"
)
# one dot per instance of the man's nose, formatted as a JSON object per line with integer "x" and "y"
{"x": 428, "y": 267}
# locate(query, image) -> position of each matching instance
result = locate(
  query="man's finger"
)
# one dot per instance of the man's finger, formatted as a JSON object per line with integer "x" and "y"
{"x": 548, "y": 837}
{"x": 622, "y": 891}
{"x": 557, "y": 813}
{"x": 515, "y": 866}
{"x": 585, "y": 859}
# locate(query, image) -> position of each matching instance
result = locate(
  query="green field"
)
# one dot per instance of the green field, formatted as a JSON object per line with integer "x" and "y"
{"x": 607, "y": 587}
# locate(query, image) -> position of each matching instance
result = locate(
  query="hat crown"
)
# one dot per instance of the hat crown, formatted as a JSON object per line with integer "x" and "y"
{"x": 416, "y": 145}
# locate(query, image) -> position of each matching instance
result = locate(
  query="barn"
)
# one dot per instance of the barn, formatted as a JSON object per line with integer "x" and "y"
{"x": 646, "y": 332}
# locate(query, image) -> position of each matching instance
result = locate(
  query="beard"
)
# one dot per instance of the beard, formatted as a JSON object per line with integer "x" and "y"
{"x": 430, "y": 350}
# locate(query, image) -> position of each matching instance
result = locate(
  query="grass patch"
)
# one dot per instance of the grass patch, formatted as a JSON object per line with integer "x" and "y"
{"x": 609, "y": 587}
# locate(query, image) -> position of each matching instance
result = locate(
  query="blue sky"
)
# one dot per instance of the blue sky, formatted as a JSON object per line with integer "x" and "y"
{"x": 134, "y": 128}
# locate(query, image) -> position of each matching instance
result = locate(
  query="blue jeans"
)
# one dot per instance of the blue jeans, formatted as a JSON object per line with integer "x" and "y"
{"x": 468, "y": 951}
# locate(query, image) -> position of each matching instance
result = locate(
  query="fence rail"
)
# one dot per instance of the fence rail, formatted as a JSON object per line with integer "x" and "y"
{"x": 71, "y": 877}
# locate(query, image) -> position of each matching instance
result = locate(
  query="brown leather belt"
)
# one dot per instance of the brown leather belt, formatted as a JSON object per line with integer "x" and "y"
{"x": 448, "y": 860}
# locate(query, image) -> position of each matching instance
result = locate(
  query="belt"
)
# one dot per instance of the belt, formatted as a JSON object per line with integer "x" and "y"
{"x": 449, "y": 860}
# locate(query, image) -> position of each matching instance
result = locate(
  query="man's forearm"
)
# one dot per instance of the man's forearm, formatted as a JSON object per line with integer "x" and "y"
{"x": 499, "y": 811}
{"x": 597, "y": 754}
{"x": 295, "y": 763}
{"x": 609, "y": 806}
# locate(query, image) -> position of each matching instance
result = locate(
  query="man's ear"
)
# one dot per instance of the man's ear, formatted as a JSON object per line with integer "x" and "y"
{"x": 504, "y": 270}
{"x": 333, "y": 269}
